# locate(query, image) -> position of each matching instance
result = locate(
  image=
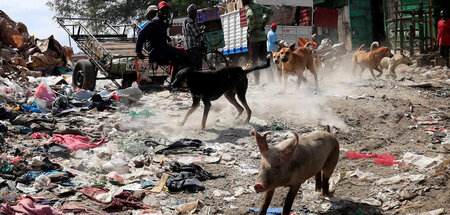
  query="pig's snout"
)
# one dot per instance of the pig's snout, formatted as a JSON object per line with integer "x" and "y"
{"x": 259, "y": 187}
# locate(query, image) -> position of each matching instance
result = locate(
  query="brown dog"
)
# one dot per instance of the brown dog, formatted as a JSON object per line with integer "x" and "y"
{"x": 370, "y": 59}
{"x": 294, "y": 62}
{"x": 318, "y": 58}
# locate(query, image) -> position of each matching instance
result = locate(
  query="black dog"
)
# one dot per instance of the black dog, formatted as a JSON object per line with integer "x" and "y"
{"x": 211, "y": 85}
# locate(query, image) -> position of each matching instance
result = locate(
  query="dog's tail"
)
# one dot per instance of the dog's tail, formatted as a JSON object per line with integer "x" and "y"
{"x": 307, "y": 46}
{"x": 266, "y": 65}
{"x": 377, "y": 44}
{"x": 360, "y": 48}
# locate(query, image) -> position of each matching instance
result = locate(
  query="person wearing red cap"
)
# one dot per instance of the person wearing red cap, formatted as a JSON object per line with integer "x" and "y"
{"x": 272, "y": 44}
{"x": 154, "y": 36}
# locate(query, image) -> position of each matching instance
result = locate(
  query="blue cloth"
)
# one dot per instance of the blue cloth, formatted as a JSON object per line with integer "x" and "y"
{"x": 32, "y": 108}
{"x": 142, "y": 26}
{"x": 271, "y": 39}
{"x": 270, "y": 211}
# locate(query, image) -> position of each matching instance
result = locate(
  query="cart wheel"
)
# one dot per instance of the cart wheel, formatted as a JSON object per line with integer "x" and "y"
{"x": 214, "y": 60}
{"x": 127, "y": 82}
{"x": 84, "y": 75}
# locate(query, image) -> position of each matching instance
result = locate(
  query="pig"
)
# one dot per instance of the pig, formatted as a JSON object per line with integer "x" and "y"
{"x": 292, "y": 162}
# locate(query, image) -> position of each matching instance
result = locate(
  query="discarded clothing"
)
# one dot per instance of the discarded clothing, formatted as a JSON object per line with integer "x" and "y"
{"x": 38, "y": 136}
{"x": 82, "y": 95}
{"x": 24, "y": 129}
{"x": 75, "y": 208}
{"x": 125, "y": 201}
{"x": 27, "y": 206}
{"x": 3, "y": 128}
{"x": 185, "y": 181}
{"x": 382, "y": 160}
{"x": 99, "y": 103}
{"x": 31, "y": 108}
{"x": 62, "y": 178}
{"x": 198, "y": 171}
{"x": 61, "y": 103}
{"x": 6, "y": 114}
{"x": 181, "y": 144}
{"x": 76, "y": 142}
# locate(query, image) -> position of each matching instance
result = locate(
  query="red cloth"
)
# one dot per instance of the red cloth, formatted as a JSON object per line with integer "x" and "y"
{"x": 75, "y": 142}
{"x": 443, "y": 36}
{"x": 91, "y": 192}
{"x": 26, "y": 206}
{"x": 38, "y": 135}
{"x": 382, "y": 160}
{"x": 325, "y": 17}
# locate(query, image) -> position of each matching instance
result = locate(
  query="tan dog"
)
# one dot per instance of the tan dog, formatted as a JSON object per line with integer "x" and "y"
{"x": 318, "y": 58}
{"x": 276, "y": 58}
{"x": 370, "y": 59}
{"x": 294, "y": 62}
{"x": 391, "y": 63}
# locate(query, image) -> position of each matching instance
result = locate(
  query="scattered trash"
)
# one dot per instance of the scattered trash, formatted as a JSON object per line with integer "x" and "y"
{"x": 270, "y": 211}
{"x": 422, "y": 161}
{"x": 364, "y": 96}
{"x": 189, "y": 208}
{"x": 75, "y": 142}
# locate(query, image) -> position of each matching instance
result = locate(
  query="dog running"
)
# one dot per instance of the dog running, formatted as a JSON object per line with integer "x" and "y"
{"x": 211, "y": 85}
{"x": 294, "y": 62}
{"x": 370, "y": 59}
{"x": 391, "y": 63}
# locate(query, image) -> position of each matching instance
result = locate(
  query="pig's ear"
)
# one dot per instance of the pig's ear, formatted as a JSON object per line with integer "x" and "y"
{"x": 287, "y": 156}
{"x": 261, "y": 141}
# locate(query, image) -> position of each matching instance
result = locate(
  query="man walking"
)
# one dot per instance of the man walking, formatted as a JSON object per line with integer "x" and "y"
{"x": 192, "y": 37}
{"x": 257, "y": 17}
{"x": 443, "y": 36}
{"x": 272, "y": 44}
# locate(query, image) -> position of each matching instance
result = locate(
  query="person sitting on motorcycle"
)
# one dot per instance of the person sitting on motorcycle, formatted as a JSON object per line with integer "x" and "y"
{"x": 155, "y": 37}
{"x": 151, "y": 12}
{"x": 193, "y": 36}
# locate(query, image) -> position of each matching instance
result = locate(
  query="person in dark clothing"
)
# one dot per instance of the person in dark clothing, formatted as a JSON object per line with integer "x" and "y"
{"x": 154, "y": 36}
{"x": 443, "y": 36}
{"x": 193, "y": 36}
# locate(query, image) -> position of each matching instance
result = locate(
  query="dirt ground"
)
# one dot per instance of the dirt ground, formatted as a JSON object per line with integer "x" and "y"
{"x": 367, "y": 116}
{"x": 380, "y": 122}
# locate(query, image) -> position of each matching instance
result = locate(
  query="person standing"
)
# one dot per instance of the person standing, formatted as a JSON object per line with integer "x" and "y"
{"x": 192, "y": 36}
{"x": 257, "y": 17}
{"x": 272, "y": 44}
{"x": 443, "y": 36}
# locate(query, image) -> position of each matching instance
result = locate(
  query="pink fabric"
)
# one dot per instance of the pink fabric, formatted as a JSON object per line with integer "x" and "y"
{"x": 42, "y": 93}
{"x": 38, "y": 135}
{"x": 382, "y": 160}
{"x": 75, "y": 142}
{"x": 26, "y": 207}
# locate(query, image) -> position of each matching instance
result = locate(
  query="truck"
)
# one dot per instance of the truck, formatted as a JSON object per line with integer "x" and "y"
{"x": 297, "y": 30}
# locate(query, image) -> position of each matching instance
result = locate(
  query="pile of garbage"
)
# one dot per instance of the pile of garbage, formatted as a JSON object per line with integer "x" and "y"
{"x": 332, "y": 53}
{"x": 21, "y": 55}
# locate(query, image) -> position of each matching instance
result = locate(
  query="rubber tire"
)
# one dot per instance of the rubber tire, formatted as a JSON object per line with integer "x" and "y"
{"x": 89, "y": 75}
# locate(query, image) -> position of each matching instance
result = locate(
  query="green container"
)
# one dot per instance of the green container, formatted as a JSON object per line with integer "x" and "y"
{"x": 215, "y": 40}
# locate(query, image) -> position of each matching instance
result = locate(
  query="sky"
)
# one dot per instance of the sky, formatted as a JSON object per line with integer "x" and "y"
{"x": 38, "y": 19}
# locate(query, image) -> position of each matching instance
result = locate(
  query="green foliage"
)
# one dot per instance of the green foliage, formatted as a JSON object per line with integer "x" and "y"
{"x": 119, "y": 11}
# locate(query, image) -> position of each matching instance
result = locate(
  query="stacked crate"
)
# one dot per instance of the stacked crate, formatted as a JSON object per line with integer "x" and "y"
{"x": 210, "y": 18}
{"x": 235, "y": 34}
{"x": 305, "y": 16}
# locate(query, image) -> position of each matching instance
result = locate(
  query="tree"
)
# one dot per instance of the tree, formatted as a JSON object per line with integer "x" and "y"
{"x": 119, "y": 11}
